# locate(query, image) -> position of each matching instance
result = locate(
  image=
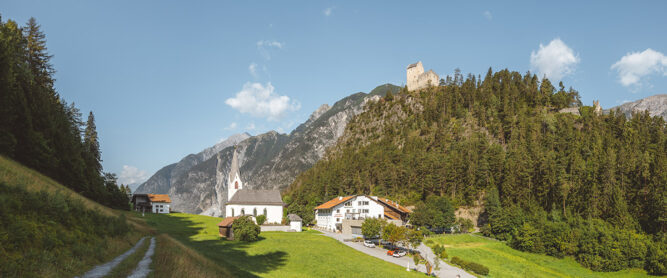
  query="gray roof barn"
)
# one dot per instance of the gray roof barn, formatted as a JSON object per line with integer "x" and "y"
{"x": 256, "y": 197}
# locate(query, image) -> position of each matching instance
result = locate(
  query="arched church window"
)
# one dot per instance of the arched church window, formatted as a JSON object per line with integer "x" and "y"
{"x": 254, "y": 212}
{"x": 264, "y": 211}
{"x": 242, "y": 211}
{"x": 232, "y": 212}
{"x": 236, "y": 185}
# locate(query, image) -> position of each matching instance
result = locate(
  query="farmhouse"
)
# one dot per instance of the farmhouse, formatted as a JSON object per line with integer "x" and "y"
{"x": 242, "y": 201}
{"x": 155, "y": 203}
{"x": 345, "y": 214}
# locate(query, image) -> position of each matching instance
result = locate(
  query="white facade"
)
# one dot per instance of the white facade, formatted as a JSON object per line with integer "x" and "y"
{"x": 358, "y": 207}
{"x": 160, "y": 207}
{"x": 295, "y": 225}
{"x": 274, "y": 213}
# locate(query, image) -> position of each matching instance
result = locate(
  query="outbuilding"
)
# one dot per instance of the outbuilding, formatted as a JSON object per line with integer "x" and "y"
{"x": 295, "y": 222}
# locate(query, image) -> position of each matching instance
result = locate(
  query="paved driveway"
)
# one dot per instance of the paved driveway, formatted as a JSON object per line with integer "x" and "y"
{"x": 445, "y": 269}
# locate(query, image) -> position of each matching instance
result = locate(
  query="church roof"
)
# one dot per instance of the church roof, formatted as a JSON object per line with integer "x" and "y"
{"x": 256, "y": 197}
{"x": 234, "y": 169}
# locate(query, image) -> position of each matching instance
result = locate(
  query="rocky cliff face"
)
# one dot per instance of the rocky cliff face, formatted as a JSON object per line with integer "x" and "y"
{"x": 160, "y": 182}
{"x": 656, "y": 106}
{"x": 268, "y": 161}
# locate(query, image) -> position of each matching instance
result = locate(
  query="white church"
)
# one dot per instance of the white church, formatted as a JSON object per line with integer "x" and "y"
{"x": 241, "y": 201}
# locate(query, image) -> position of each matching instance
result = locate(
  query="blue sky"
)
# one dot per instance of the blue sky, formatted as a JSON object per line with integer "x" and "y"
{"x": 169, "y": 78}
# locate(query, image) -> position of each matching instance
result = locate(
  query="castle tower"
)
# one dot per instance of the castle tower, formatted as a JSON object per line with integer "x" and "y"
{"x": 597, "y": 108}
{"x": 234, "y": 182}
{"x": 413, "y": 73}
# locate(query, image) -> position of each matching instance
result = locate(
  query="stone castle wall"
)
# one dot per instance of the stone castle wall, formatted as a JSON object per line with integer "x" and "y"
{"x": 418, "y": 79}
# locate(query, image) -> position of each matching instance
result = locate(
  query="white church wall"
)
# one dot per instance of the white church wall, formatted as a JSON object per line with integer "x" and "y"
{"x": 274, "y": 214}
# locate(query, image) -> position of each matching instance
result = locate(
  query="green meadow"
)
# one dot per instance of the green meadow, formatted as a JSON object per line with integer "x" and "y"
{"x": 503, "y": 261}
{"x": 276, "y": 254}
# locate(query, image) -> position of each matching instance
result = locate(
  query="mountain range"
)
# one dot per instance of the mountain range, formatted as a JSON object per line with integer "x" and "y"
{"x": 268, "y": 161}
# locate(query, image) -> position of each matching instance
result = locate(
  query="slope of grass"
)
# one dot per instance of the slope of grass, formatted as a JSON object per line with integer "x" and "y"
{"x": 276, "y": 254}
{"x": 503, "y": 261}
{"x": 47, "y": 230}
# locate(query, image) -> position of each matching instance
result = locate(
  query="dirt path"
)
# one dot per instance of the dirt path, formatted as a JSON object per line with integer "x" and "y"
{"x": 143, "y": 268}
{"x": 104, "y": 269}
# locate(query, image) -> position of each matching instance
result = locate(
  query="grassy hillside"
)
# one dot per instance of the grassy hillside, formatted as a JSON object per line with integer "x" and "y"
{"x": 277, "y": 254}
{"x": 46, "y": 230}
{"x": 504, "y": 261}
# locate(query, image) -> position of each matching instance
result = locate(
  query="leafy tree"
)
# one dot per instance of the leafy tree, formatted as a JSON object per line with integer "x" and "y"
{"x": 414, "y": 237}
{"x": 371, "y": 227}
{"x": 245, "y": 229}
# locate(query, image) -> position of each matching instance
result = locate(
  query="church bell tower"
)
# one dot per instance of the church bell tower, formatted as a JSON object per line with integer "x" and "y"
{"x": 234, "y": 182}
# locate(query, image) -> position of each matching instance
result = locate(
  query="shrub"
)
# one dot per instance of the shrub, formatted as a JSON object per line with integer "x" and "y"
{"x": 245, "y": 229}
{"x": 437, "y": 249}
{"x": 428, "y": 242}
{"x": 260, "y": 219}
{"x": 471, "y": 266}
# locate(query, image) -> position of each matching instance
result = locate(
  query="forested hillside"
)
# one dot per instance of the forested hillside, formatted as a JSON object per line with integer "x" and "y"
{"x": 590, "y": 186}
{"x": 40, "y": 129}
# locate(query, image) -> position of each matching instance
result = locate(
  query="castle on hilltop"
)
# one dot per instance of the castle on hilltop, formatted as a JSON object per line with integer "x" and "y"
{"x": 418, "y": 79}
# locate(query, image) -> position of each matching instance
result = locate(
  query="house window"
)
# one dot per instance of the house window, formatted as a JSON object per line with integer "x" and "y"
{"x": 236, "y": 185}
{"x": 337, "y": 219}
{"x": 232, "y": 212}
{"x": 338, "y": 211}
{"x": 379, "y": 215}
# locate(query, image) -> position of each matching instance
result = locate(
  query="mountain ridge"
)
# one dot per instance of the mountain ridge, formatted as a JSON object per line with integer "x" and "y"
{"x": 268, "y": 161}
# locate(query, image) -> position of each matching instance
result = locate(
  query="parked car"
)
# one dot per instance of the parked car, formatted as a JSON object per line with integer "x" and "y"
{"x": 399, "y": 254}
{"x": 392, "y": 251}
{"x": 369, "y": 244}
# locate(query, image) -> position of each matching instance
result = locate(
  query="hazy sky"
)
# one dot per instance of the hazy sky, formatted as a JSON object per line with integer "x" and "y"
{"x": 169, "y": 78}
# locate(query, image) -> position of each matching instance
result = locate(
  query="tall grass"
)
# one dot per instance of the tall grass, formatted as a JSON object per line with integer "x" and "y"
{"x": 47, "y": 230}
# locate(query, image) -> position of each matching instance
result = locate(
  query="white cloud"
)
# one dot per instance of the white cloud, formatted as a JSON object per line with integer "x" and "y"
{"x": 263, "y": 47}
{"x": 251, "y": 126}
{"x": 327, "y": 11}
{"x": 488, "y": 15}
{"x": 252, "y": 68}
{"x": 233, "y": 125}
{"x": 261, "y": 101}
{"x": 636, "y": 65}
{"x": 555, "y": 60}
{"x": 132, "y": 175}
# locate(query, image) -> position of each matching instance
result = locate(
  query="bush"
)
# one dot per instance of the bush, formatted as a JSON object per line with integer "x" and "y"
{"x": 478, "y": 268}
{"x": 260, "y": 219}
{"x": 471, "y": 266}
{"x": 245, "y": 229}
{"x": 428, "y": 242}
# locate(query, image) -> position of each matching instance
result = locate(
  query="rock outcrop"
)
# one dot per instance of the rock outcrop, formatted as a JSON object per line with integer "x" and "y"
{"x": 656, "y": 106}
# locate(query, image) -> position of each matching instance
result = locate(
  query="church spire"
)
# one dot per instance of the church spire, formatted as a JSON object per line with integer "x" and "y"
{"x": 234, "y": 182}
{"x": 234, "y": 169}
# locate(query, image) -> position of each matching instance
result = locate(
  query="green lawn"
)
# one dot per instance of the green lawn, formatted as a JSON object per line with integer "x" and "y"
{"x": 503, "y": 261}
{"x": 276, "y": 254}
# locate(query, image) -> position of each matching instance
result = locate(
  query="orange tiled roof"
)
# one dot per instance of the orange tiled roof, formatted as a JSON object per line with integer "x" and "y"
{"x": 391, "y": 215}
{"x": 333, "y": 202}
{"x": 227, "y": 221}
{"x": 394, "y": 205}
{"x": 159, "y": 198}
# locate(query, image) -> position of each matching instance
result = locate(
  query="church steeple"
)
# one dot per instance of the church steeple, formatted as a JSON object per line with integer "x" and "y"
{"x": 234, "y": 179}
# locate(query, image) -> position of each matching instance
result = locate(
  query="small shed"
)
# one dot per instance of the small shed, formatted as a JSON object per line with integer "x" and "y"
{"x": 294, "y": 222}
{"x": 225, "y": 227}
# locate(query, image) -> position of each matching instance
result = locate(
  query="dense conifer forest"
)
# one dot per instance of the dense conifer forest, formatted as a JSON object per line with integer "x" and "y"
{"x": 38, "y": 128}
{"x": 591, "y": 186}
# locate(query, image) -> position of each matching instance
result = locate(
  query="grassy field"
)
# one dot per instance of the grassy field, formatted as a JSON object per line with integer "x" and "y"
{"x": 504, "y": 261}
{"x": 276, "y": 254}
{"x": 46, "y": 232}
